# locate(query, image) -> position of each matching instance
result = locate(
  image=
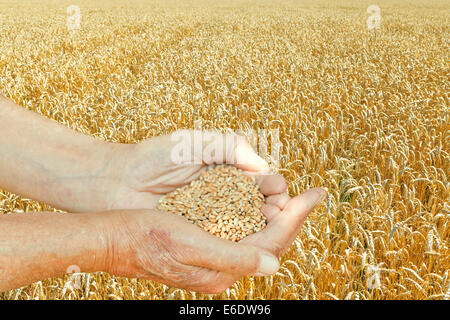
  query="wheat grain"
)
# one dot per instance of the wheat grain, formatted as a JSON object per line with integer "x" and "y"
{"x": 222, "y": 201}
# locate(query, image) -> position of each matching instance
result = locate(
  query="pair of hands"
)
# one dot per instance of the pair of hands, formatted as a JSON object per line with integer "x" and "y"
{"x": 122, "y": 184}
{"x": 164, "y": 247}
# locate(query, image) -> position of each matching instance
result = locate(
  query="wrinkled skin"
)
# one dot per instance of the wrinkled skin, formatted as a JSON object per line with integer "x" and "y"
{"x": 77, "y": 173}
{"x": 164, "y": 247}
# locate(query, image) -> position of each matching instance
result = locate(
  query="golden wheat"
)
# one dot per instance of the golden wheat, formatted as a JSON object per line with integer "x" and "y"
{"x": 364, "y": 115}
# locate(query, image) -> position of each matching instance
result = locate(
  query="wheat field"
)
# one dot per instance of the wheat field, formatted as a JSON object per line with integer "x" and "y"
{"x": 364, "y": 114}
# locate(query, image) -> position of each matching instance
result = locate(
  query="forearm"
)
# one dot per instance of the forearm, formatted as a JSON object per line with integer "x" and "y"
{"x": 36, "y": 246}
{"x": 46, "y": 161}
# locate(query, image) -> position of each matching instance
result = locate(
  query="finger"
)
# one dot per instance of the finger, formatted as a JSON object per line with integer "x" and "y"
{"x": 222, "y": 255}
{"x": 280, "y": 200}
{"x": 270, "y": 211}
{"x": 197, "y": 279}
{"x": 284, "y": 228}
{"x": 271, "y": 184}
{"x": 274, "y": 205}
{"x": 232, "y": 149}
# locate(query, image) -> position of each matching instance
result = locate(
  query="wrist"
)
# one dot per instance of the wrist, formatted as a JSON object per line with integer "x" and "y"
{"x": 108, "y": 176}
{"x": 53, "y": 164}
{"x": 119, "y": 231}
{"x": 100, "y": 250}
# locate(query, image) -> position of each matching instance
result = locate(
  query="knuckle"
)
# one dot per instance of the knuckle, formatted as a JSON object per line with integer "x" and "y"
{"x": 253, "y": 264}
{"x": 278, "y": 249}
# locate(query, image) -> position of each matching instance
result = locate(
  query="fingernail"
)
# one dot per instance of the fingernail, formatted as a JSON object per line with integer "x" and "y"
{"x": 268, "y": 265}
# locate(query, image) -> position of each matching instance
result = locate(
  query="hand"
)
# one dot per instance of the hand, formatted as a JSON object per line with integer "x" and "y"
{"x": 285, "y": 217}
{"x": 148, "y": 170}
{"x": 78, "y": 173}
{"x": 166, "y": 248}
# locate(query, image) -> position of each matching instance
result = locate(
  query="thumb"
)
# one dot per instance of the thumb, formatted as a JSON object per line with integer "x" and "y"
{"x": 222, "y": 255}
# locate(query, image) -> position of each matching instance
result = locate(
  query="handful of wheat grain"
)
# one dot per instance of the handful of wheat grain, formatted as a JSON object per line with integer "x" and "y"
{"x": 223, "y": 201}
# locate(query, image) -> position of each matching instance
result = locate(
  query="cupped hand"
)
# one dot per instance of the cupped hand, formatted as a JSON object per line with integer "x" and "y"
{"x": 164, "y": 247}
{"x": 148, "y": 170}
{"x": 285, "y": 217}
